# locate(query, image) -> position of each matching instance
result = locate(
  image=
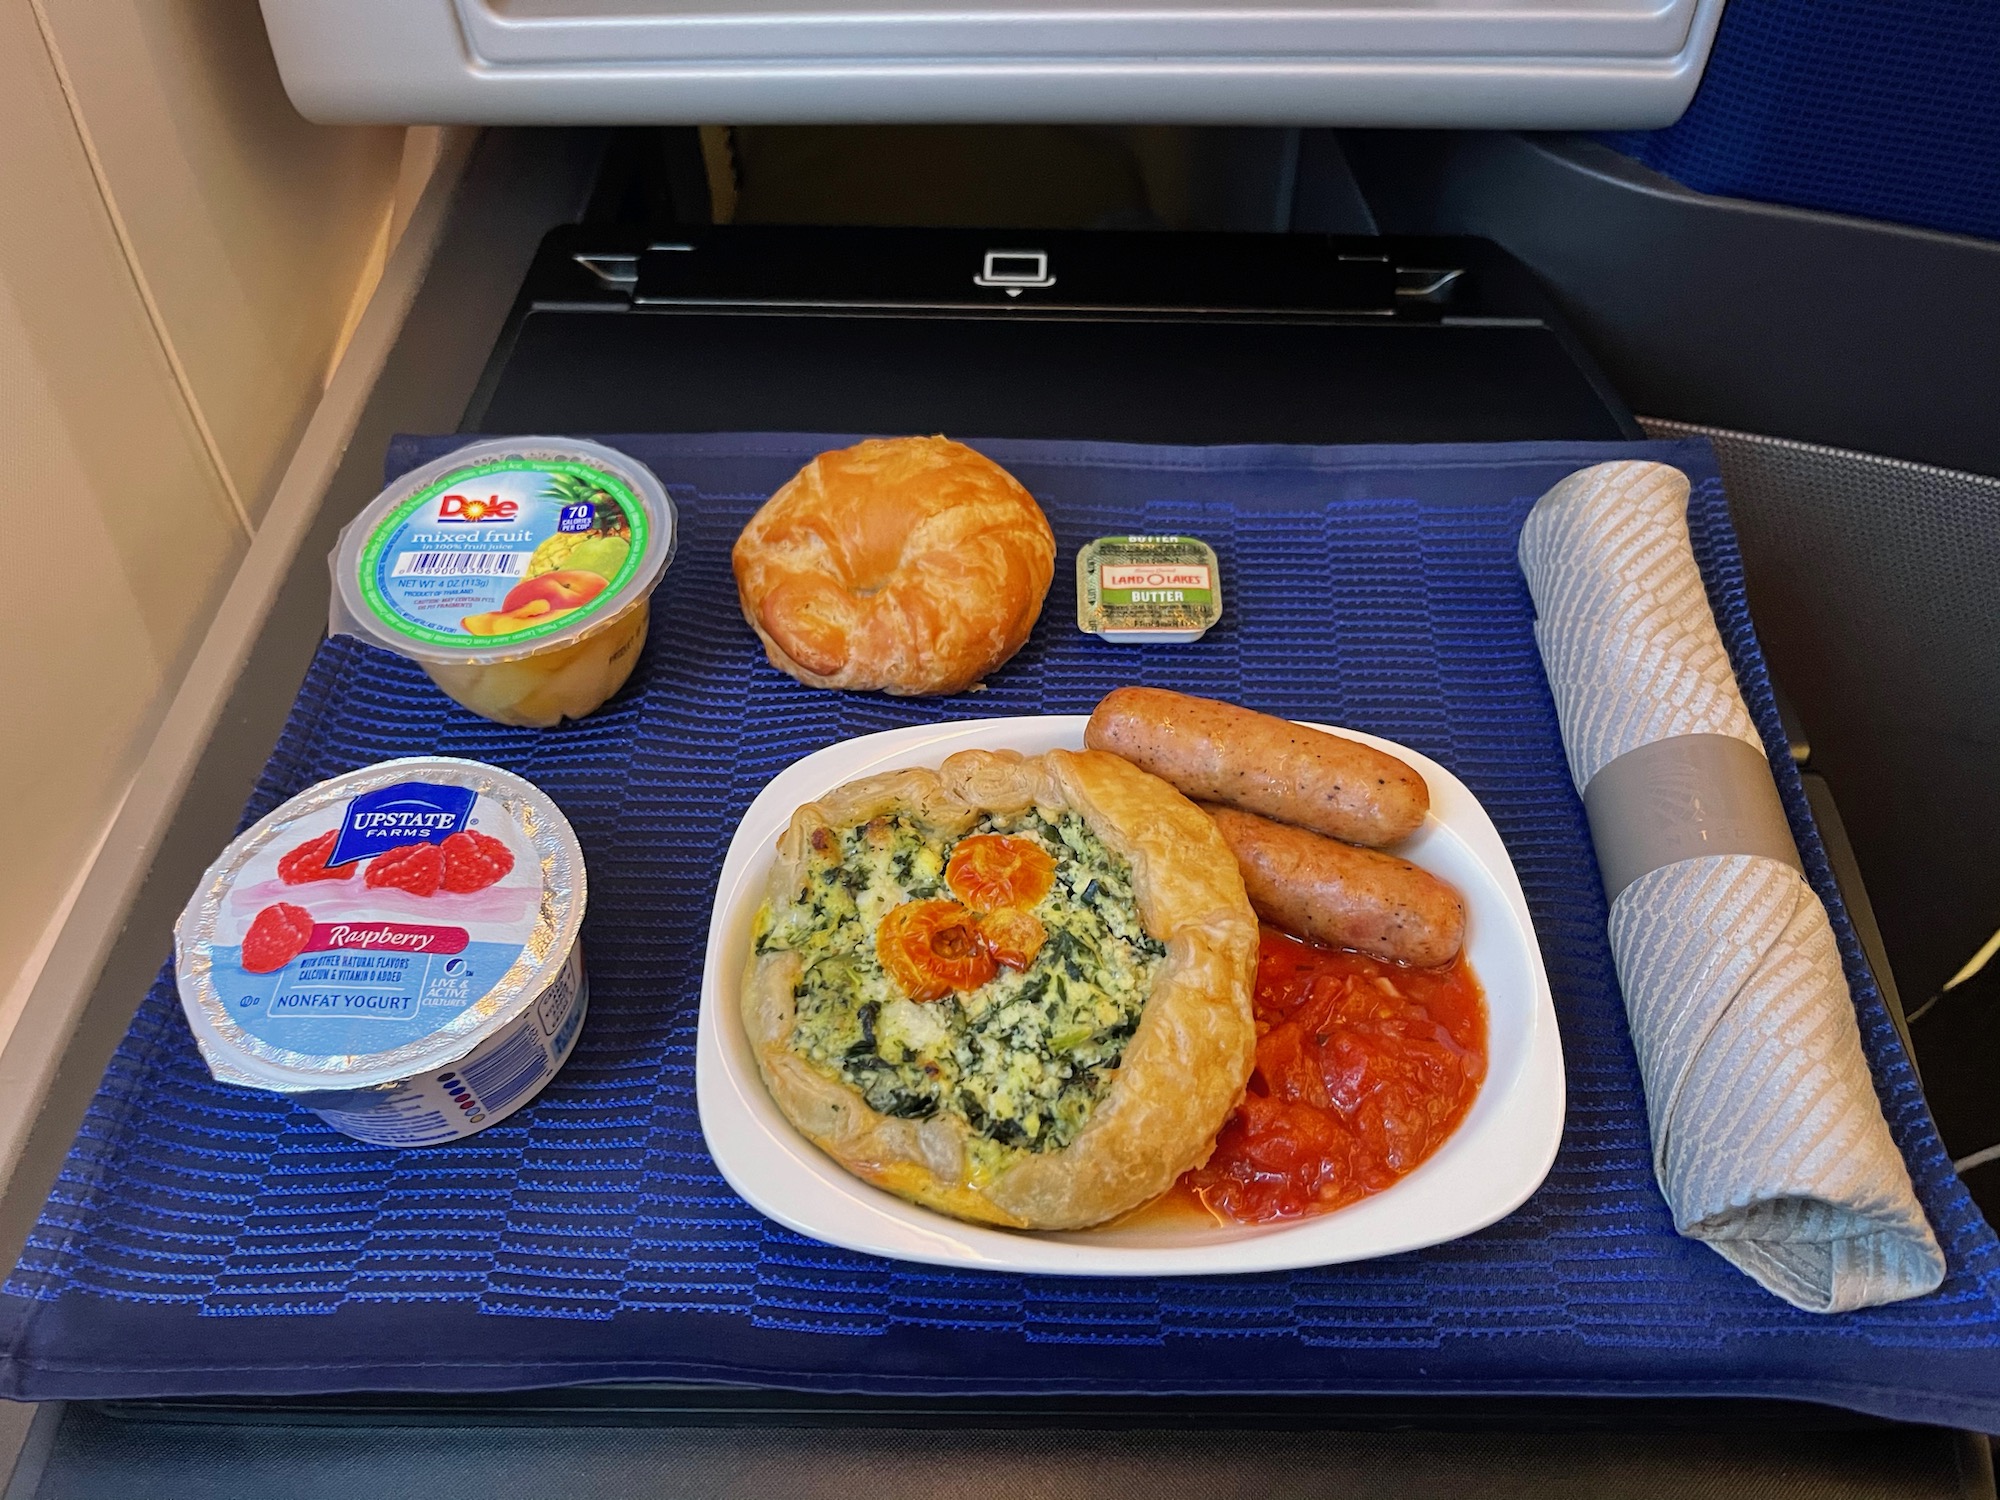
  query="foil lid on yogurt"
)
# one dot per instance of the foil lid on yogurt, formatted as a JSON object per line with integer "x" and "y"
{"x": 379, "y": 924}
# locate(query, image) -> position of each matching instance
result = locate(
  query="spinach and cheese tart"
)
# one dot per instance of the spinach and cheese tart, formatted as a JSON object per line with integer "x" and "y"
{"x": 1016, "y": 989}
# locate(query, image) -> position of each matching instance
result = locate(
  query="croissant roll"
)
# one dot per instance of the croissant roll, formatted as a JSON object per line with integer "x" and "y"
{"x": 912, "y": 566}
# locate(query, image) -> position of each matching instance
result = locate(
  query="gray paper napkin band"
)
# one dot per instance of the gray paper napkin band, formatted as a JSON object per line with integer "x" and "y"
{"x": 1680, "y": 798}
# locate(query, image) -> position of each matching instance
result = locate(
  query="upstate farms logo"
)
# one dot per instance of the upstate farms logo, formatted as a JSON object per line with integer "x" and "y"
{"x": 411, "y": 812}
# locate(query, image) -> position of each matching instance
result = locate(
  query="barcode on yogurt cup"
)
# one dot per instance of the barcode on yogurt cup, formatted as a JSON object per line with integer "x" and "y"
{"x": 457, "y": 564}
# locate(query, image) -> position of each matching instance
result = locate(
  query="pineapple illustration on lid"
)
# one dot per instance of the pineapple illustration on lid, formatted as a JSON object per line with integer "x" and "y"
{"x": 602, "y": 549}
{"x": 516, "y": 572}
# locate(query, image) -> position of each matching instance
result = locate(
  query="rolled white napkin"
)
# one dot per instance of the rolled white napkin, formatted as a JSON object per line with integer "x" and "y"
{"x": 1768, "y": 1136}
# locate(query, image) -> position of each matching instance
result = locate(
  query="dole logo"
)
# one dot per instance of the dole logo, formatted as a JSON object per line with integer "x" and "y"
{"x": 460, "y": 508}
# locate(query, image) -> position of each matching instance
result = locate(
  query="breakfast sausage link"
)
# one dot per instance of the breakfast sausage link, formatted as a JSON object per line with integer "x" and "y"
{"x": 1333, "y": 893}
{"x": 1218, "y": 752}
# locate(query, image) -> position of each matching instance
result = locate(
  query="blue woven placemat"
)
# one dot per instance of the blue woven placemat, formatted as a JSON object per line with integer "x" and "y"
{"x": 203, "y": 1239}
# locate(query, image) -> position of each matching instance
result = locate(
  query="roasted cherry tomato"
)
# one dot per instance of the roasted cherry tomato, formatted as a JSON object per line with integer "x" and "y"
{"x": 1012, "y": 936}
{"x": 932, "y": 948}
{"x": 991, "y": 871}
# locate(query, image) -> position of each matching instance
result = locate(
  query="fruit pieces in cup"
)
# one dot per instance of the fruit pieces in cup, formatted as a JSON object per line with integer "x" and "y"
{"x": 565, "y": 681}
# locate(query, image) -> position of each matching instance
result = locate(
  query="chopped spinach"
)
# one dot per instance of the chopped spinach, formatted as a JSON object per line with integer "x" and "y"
{"x": 1024, "y": 1059}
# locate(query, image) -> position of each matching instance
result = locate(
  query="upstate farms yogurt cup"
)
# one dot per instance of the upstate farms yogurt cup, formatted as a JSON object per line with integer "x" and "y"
{"x": 517, "y": 572}
{"x": 395, "y": 948}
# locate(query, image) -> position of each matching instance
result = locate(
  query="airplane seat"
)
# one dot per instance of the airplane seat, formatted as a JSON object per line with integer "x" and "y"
{"x": 1882, "y": 109}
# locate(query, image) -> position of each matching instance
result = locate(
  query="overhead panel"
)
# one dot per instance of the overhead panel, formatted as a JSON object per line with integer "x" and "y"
{"x": 1522, "y": 64}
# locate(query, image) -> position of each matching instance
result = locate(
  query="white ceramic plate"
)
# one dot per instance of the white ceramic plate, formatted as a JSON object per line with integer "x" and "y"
{"x": 1489, "y": 1166}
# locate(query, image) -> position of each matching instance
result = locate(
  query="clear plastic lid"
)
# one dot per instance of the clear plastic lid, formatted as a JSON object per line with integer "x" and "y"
{"x": 379, "y": 924}
{"x": 502, "y": 550}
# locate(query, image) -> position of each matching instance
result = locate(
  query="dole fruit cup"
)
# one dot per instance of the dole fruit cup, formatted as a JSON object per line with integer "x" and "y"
{"x": 516, "y": 572}
{"x": 394, "y": 949}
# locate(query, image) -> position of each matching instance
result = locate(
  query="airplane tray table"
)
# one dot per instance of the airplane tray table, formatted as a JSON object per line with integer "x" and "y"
{"x": 206, "y": 1241}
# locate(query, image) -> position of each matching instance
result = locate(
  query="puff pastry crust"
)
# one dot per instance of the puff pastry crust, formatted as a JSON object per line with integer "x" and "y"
{"x": 906, "y": 565}
{"x": 1182, "y": 1072}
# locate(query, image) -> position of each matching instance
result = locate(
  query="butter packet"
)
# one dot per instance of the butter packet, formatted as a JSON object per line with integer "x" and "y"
{"x": 1147, "y": 588}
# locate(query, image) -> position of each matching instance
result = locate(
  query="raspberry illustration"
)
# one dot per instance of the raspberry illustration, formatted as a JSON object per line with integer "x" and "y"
{"x": 278, "y": 934}
{"x": 473, "y": 861}
{"x": 416, "y": 868}
{"x": 308, "y": 862}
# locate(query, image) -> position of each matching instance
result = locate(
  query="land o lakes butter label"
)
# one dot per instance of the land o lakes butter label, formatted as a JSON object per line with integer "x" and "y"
{"x": 1147, "y": 588}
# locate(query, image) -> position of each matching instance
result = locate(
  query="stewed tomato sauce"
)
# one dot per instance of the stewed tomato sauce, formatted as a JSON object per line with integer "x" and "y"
{"x": 1364, "y": 1067}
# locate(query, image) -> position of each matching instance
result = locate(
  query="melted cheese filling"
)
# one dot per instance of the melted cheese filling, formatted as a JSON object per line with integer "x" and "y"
{"x": 1023, "y": 1059}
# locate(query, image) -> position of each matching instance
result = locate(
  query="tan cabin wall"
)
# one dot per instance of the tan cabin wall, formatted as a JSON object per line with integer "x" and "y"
{"x": 181, "y": 258}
